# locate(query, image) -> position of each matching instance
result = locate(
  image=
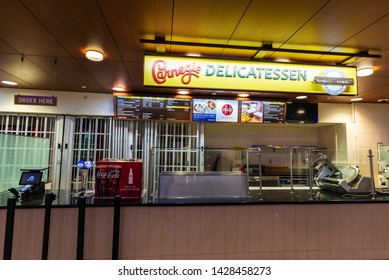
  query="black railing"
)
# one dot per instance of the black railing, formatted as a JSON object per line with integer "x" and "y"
{"x": 9, "y": 228}
{"x": 49, "y": 198}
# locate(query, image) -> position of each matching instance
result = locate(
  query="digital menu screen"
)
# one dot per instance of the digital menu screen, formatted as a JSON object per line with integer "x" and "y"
{"x": 273, "y": 112}
{"x": 262, "y": 112}
{"x": 152, "y": 108}
{"x": 215, "y": 110}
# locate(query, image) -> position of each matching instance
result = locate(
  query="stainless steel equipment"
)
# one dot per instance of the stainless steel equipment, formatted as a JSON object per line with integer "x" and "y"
{"x": 346, "y": 179}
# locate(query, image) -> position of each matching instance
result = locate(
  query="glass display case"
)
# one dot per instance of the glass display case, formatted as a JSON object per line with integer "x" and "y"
{"x": 257, "y": 173}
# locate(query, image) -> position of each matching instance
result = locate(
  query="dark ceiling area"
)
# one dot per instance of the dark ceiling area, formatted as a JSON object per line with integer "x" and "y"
{"x": 43, "y": 43}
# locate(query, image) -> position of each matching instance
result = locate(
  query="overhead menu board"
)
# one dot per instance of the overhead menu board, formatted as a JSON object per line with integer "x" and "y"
{"x": 262, "y": 112}
{"x": 152, "y": 108}
{"x": 215, "y": 110}
{"x": 273, "y": 112}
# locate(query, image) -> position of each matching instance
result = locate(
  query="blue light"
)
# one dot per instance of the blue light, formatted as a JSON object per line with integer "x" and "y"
{"x": 80, "y": 164}
{"x": 88, "y": 164}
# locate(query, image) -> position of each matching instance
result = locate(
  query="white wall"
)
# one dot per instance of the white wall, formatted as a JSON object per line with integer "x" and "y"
{"x": 335, "y": 113}
{"x": 68, "y": 103}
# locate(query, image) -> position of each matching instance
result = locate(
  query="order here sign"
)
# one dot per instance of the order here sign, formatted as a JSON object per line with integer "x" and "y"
{"x": 194, "y": 72}
{"x": 35, "y": 100}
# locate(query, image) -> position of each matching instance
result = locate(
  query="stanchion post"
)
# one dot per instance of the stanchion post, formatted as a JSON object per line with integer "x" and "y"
{"x": 49, "y": 198}
{"x": 260, "y": 173}
{"x": 370, "y": 156}
{"x": 81, "y": 228}
{"x": 116, "y": 227}
{"x": 9, "y": 228}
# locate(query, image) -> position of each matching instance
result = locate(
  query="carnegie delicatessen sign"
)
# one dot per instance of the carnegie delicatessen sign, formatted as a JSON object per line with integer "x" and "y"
{"x": 190, "y": 72}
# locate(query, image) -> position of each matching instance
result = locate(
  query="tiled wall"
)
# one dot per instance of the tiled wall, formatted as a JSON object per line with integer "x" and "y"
{"x": 305, "y": 231}
{"x": 231, "y": 135}
{"x": 246, "y": 135}
{"x": 371, "y": 125}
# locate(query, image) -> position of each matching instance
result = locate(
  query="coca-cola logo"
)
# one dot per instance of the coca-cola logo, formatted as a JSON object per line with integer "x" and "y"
{"x": 112, "y": 174}
{"x": 161, "y": 72}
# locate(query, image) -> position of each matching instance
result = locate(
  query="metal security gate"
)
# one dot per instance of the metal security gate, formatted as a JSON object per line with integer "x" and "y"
{"x": 97, "y": 138}
{"x": 94, "y": 138}
{"x": 34, "y": 127}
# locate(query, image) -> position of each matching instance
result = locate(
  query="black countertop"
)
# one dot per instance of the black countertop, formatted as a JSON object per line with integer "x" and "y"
{"x": 268, "y": 196}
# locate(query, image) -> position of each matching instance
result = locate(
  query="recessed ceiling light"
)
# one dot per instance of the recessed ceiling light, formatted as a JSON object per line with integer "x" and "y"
{"x": 282, "y": 59}
{"x": 10, "y": 83}
{"x": 193, "y": 54}
{"x": 363, "y": 72}
{"x": 356, "y": 99}
{"x": 183, "y": 92}
{"x": 383, "y": 100}
{"x": 94, "y": 55}
{"x": 301, "y": 97}
{"x": 214, "y": 93}
{"x": 243, "y": 95}
{"x": 83, "y": 86}
{"x": 118, "y": 88}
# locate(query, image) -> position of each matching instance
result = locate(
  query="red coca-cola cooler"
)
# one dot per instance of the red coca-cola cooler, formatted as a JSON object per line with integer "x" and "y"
{"x": 122, "y": 178}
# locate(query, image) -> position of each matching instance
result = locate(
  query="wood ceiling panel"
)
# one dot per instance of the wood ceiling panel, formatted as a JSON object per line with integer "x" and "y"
{"x": 366, "y": 84}
{"x": 136, "y": 70}
{"x": 275, "y": 21}
{"x": 373, "y": 37}
{"x": 67, "y": 72}
{"x": 5, "y": 76}
{"x": 340, "y": 20}
{"x": 129, "y": 21}
{"x": 207, "y": 19}
{"x": 375, "y": 94}
{"x": 28, "y": 72}
{"x": 24, "y": 33}
{"x": 107, "y": 73}
{"x": 77, "y": 25}
{"x": 6, "y": 49}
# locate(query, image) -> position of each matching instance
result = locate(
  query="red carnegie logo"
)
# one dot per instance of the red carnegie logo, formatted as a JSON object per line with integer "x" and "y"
{"x": 227, "y": 109}
{"x": 161, "y": 72}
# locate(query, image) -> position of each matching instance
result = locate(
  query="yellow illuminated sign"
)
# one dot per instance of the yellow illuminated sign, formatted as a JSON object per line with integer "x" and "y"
{"x": 189, "y": 72}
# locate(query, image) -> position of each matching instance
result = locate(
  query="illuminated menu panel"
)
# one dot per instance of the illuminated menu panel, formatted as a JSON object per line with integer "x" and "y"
{"x": 215, "y": 110}
{"x": 273, "y": 112}
{"x": 152, "y": 108}
{"x": 262, "y": 112}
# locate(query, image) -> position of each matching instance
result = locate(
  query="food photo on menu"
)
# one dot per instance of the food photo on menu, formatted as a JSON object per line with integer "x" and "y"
{"x": 204, "y": 110}
{"x": 252, "y": 111}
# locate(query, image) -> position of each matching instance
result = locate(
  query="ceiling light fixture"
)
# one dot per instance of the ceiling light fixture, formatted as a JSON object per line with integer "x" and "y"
{"x": 193, "y": 54}
{"x": 118, "y": 88}
{"x": 183, "y": 92}
{"x": 363, "y": 72}
{"x": 243, "y": 95}
{"x": 94, "y": 55}
{"x": 301, "y": 97}
{"x": 10, "y": 83}
{"x": 356, "y": 99}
